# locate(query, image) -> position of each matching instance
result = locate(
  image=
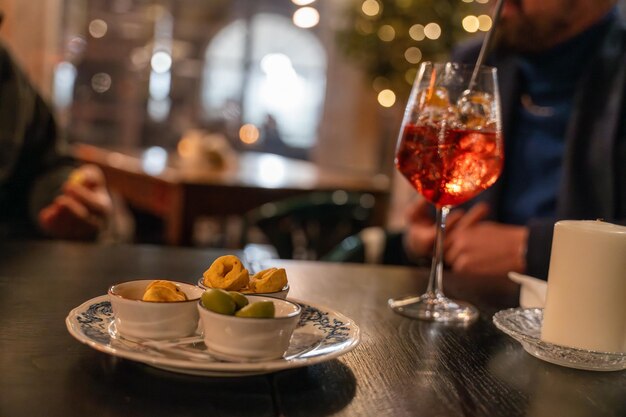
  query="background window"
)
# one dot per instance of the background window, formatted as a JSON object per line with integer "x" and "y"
{"x": 269, "y": 74}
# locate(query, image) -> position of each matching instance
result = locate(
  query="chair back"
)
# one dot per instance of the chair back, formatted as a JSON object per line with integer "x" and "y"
{"x": 310, "y": 225}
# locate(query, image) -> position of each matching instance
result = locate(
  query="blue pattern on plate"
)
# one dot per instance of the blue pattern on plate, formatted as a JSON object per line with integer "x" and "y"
{"x": 336, "y": 331}
{"x": 95, "y": 321}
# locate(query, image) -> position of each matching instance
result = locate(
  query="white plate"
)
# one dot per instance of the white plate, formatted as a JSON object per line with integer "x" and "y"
{"x": 322, "y": 334}
{"x": 524, "y": 325}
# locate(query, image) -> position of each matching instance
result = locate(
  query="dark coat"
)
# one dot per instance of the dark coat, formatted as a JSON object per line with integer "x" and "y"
{"x": 33, "y": 161}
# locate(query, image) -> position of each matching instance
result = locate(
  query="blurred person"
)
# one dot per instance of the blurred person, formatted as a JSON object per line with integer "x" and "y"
{"x": 562, "y": 70}
{"x": 42, "y": 192}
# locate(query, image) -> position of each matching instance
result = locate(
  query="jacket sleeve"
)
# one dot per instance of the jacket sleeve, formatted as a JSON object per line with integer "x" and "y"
{"x": 36, "y": 160}
{"x": 53, "y": 165}
{"x": 539, "y": 247}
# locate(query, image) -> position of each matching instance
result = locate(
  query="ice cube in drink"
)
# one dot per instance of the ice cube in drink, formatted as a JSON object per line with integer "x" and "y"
{"x": 475, "y": 110}
{"x": 434, "y": 106}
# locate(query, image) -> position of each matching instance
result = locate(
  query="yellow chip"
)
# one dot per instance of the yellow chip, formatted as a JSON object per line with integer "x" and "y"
{"x": 268, "y": 280}
{"x": 162, "y": 290}
{"x": 227, "y": 273}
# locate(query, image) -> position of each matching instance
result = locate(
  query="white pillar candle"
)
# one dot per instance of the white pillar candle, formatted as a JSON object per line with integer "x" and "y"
{"x": 586, "y": 299}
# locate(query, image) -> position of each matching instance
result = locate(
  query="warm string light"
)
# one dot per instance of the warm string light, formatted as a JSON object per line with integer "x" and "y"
{"x": 413, "y": 55}
{"x": 386, "y": 33}
{"x": 371, "y": 8}
{"x": 306, "y": 17}
{"x": 386, "y": 98}
{"x": 484, "y": 23}
{"x": 432, "y": 31}
{"x": 416, "y": 32}
{"x": 473, "y": 23}
{"x": 373, "y": 21}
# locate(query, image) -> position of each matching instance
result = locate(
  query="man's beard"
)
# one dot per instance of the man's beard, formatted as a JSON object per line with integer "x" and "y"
{"x": 527, "y": 34}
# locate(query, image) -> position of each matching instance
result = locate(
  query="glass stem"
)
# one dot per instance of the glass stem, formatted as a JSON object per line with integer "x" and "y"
{"x": 435, "y": 286}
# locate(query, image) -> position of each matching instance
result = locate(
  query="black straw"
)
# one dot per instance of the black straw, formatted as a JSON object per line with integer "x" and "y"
{"x": 486, "y": 43}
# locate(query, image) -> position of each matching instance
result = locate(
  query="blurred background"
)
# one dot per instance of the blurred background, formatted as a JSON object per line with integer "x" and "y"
{"x": 195, "y": 93}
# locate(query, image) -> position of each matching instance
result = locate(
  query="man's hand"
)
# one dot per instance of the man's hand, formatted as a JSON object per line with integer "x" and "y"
{"x": 419, "y": 237}
{"x": 486, "y": 248}
{"x": 83, "y": 209}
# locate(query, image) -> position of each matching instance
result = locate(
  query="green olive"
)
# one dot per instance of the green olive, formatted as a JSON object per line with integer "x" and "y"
{"x": 239, "y": 299}
{"x": 219, "y": 301}
{"x": 258, "y": 309}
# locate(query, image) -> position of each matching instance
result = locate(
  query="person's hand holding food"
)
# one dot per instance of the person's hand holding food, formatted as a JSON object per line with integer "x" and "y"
{"x": 82, "y": 210}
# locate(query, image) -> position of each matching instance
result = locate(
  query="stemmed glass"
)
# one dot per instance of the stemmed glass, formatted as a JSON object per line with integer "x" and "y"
{"x": 450, "y": 149}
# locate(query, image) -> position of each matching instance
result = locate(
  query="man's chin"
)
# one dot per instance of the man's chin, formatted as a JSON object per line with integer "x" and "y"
{"x": 511, "y": 9}
{"x": 517, "y": 35}
{"x": 511, "y": 41}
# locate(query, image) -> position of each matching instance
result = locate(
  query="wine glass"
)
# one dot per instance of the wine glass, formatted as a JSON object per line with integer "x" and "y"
{"x": 450, "y": 149}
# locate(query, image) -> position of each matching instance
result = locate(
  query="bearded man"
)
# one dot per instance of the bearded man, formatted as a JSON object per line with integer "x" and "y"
{"x": 562, "y": 78}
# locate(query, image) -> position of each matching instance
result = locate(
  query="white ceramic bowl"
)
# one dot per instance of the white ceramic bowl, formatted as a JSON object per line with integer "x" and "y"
{"x": 242, "y": 339}
{"x": 278, "y": 294}
{"x": 135, "y": 318}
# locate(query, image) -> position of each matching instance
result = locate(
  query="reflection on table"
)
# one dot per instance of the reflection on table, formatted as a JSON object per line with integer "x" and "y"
{"x": 402, "y": 367}
{"x": 179, "y": 191}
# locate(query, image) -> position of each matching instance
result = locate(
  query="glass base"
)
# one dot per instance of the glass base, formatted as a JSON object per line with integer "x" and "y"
{"x": 431, "y": 307}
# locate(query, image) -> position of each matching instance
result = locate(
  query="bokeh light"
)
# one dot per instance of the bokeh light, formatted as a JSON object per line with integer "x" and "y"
{"x": 64, "y": 78}
{"x": 159, "y": 85}
{"x": 413, "y": 55}
{"x": 185, "y": 147}
{"x": 370, "y": 8}
{"x": 271, "y": 171}
{"x": 386, "y": 33}
{"x": 154, "y": 160}
{"x": 101, "y": 82}
{"x": 306, "y": 17}
{"x": 470, "y": 23}
{"x": 484, "y": 22}
{"x": 386, "y": 98}
{"x": 98, "y": 28}
{"x": 416, "y": 32}
{"x": 302, "y": 2}
{"x": 161, "y": 62}
{"x": 249, "y": 133}
{"x": 432, "y": 31}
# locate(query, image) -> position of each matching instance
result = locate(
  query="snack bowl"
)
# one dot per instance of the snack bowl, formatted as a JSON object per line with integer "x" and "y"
{"x": 277, "y": 294}
{"x": 247, "y": 339}
{"x": 138, "y": 319}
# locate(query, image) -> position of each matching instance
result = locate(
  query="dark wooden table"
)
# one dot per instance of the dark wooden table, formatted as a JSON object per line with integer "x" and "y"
{"x": 181, "y": 192}
{"x": 401, "y": 368}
